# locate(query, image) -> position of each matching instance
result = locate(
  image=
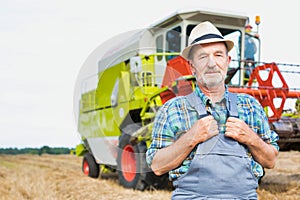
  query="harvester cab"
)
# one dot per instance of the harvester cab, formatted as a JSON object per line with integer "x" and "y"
{"x": 139, "y": 72}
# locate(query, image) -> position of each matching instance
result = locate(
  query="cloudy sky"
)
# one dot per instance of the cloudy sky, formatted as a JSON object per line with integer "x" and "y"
{"x": 45, "y": 43}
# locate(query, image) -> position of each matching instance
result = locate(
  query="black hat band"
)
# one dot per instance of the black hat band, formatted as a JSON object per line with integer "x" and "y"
{"x": 205, "y": 37}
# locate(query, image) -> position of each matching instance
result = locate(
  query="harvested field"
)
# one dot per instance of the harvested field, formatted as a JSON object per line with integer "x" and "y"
{"x": 60, "y": 177}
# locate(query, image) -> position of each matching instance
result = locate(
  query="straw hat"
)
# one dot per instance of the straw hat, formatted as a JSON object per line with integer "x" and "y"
{"x": 204, "y": 33}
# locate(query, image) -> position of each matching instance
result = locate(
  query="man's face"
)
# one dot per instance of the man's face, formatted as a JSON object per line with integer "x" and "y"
{"x": 210, "y": 63}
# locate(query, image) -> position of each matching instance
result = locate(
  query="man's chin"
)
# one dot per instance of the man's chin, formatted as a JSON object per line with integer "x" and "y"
{"x": 214, "y": 84}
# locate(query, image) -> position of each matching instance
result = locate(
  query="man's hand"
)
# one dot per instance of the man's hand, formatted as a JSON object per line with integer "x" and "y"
{"x": 238, "y": 130}
{"x": 172, "y": 156}
{"x": 203, "y": 129}
{"x": 262, "y": 152}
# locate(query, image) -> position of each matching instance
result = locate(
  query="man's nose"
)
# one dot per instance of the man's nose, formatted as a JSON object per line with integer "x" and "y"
{"x": 211, "y": 61}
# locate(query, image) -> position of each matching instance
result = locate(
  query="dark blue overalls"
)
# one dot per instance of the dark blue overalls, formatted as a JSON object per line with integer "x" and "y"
{"x": 221, "y": 168}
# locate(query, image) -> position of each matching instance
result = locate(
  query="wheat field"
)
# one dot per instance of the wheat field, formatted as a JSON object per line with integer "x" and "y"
{"x": 59, "y": 177}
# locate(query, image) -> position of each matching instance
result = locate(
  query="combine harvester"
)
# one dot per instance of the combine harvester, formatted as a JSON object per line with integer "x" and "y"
{"x": 142, "y": 70}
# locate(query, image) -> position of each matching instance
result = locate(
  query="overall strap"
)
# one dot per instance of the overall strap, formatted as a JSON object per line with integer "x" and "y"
{"x": 232, "y": 105}
{"x": 196, "y": 102}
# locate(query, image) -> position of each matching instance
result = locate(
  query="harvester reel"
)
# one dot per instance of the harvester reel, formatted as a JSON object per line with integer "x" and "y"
{"x": 272, "y": 93}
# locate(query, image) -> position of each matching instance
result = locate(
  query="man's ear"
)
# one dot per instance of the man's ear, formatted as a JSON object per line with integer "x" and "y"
{"x": 229, "y": 59}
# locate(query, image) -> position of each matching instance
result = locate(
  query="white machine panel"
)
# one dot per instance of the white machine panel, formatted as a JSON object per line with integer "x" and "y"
{"x": 104, "y": 149}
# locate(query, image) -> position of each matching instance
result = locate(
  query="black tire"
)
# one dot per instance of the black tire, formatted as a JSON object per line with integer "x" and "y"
{"x": 128, "y": 162}
{"x": 148, "y": 179}
{"x": 133, "y": 171}
{"x": 89, "y": 166}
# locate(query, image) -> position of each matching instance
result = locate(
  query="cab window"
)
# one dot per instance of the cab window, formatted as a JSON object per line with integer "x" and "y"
{"x": 173, "y": 42}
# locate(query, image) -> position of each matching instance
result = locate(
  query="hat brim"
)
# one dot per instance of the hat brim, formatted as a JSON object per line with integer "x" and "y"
{"x": 186, "y": 51}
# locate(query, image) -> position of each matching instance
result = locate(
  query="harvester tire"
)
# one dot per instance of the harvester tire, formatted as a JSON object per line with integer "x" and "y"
{"x": 128, "y": 160}
{"x": 89, "y": 166}
{"x": 133, "y": 171}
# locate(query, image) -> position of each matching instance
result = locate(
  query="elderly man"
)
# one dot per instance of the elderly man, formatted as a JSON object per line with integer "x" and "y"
{"x": 213, "y": 143}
